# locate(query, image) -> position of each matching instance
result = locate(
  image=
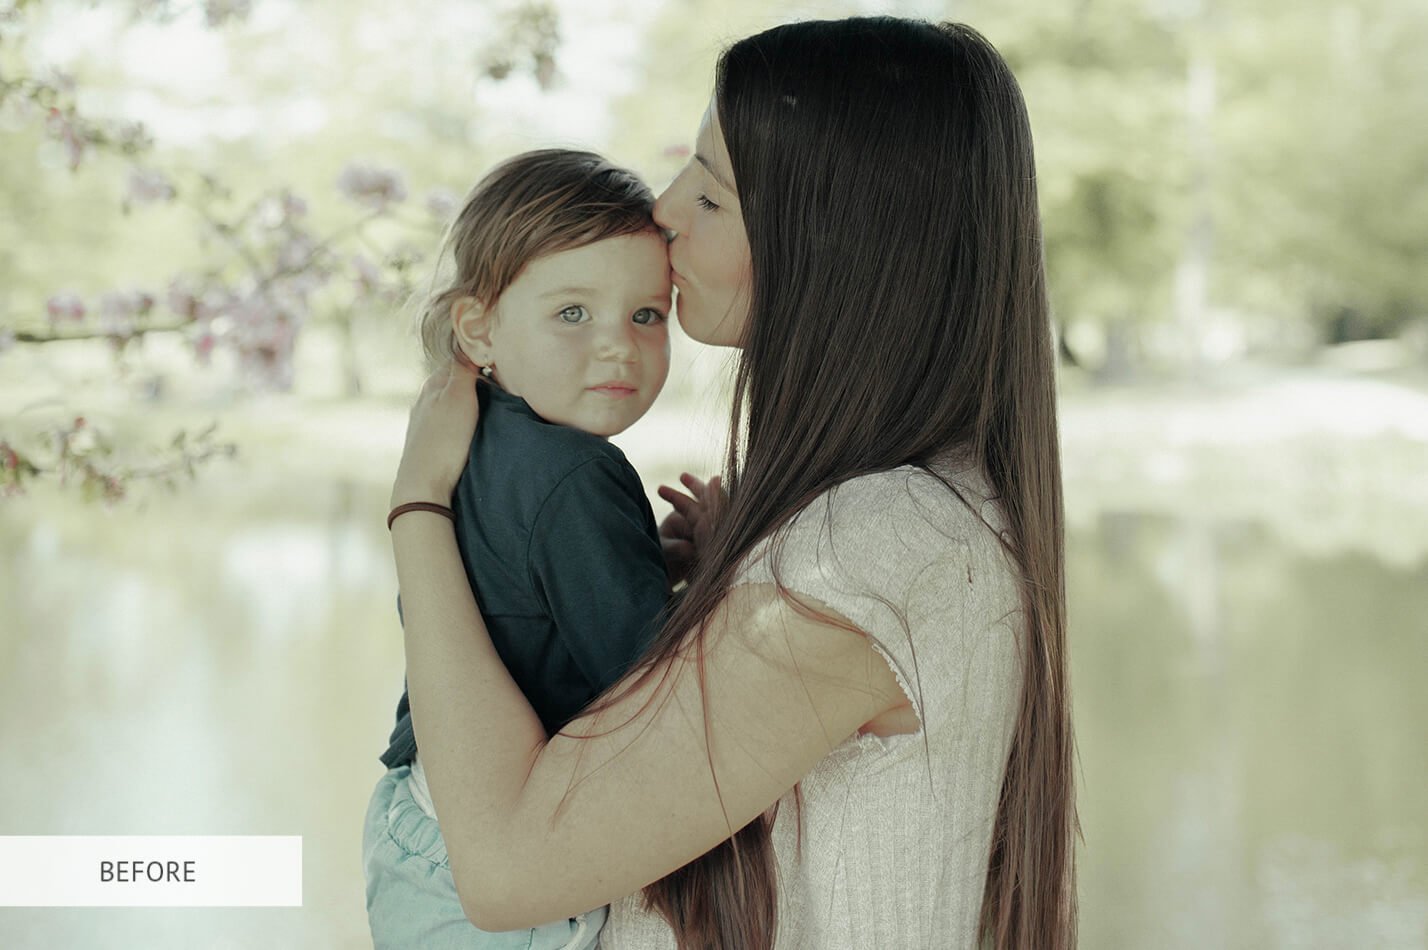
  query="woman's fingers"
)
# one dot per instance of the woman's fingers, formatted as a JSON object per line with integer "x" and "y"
{"x": 438, "y": 438}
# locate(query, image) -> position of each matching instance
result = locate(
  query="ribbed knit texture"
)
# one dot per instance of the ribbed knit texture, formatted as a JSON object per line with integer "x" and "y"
{"x": 896, "y": 831}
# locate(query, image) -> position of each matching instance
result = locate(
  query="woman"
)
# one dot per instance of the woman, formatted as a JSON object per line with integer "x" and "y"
{"x": 875, "y": 628}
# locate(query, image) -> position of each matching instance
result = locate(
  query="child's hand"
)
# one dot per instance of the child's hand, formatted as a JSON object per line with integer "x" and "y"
{"x": 439, "y": 432}
{"x": 685, "y": 532}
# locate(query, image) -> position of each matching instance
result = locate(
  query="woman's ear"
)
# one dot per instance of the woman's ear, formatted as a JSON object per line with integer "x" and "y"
{"x": 471, "y": 322}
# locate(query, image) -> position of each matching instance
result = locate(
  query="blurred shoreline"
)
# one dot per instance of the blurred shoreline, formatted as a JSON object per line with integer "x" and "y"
{"x": 1332, "y": 457}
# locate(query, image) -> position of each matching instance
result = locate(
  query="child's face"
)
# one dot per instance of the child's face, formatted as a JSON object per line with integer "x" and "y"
{"x": 581, "y": 335}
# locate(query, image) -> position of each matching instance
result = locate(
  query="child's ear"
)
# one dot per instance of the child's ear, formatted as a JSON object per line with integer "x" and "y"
{"x": 471, "y": 322}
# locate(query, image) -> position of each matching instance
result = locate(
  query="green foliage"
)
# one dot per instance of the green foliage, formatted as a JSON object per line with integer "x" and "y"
{"x": 1323, "y": 163}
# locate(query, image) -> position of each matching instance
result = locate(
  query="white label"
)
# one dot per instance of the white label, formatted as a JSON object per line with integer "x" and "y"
{"x": 150, "y": 871}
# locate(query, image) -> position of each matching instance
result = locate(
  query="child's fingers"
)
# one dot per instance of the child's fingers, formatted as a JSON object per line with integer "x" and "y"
{"x": 693, "y": 483}
{"x": 674, "y": 525}
{"x": 682, "y": 503}
{"x": 676, "y": 549}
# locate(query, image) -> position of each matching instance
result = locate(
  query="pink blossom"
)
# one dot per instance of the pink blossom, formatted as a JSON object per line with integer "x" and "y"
{"x": 442, "y": 202}
{"x": 371, "y": 186}
{"x": 65, "y": 128}
{"x": 405, "y": 256}
{"x": 61, "y": 81}
{"x": 296, "y": 252}
{"x": 126, "y": 303}
{"x": 282, "y": 208}
{"x": 676, "y": 151}
{"x": 218, "y": 12}
{"x": 369, "y": 278}
{"x": 161, "y": 11}
{"x": 147, "y": 186}
{"x": 65, "y": 306}
{"x": 133, "y": 137}
{"x": 117, "y": 311}
{"x": 263, "y": 332}
{"x": 183, "y": 299}
{"x": 203, "y": 347}
{"x": 294, "y": 207}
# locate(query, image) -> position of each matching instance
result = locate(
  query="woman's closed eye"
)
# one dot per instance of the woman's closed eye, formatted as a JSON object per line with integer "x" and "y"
{"x": 706, "y": 204}
{"x": 647, "y": 316}
{"x": 573, "y": 314}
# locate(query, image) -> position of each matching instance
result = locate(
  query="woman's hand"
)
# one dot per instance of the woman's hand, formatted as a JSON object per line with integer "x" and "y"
{"x": 439, "y": 432}
{"x": 685, "y": 532}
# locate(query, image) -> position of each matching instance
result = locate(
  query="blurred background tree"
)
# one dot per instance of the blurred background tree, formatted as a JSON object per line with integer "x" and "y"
{"x": 1233, "y": 202}
{"x": 255, "y": 176}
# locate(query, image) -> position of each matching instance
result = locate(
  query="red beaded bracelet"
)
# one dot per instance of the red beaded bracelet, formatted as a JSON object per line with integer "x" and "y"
{"x": 419, "y": 506}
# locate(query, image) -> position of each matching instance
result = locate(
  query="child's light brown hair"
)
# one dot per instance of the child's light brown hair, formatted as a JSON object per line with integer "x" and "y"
{"x": 529, "y": 206}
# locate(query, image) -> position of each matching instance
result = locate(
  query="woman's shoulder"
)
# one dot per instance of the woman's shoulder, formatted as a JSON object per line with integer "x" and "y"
{"x": 879, "y": 531}
{"x": 909, "y": 506}
{"x": 914, "y": 558}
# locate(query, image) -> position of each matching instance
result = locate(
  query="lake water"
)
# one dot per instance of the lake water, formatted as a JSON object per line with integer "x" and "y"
{"x": 1251, "y": 714}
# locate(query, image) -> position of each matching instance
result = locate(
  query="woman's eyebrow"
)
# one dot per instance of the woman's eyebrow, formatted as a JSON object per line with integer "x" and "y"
{"x": 709, "y": 167}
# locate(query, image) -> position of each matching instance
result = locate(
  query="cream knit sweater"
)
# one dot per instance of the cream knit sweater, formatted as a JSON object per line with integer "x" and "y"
{"x": 896, "y": 831}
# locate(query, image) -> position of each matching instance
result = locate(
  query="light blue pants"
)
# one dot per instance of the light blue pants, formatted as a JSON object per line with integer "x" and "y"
{"x": 411, "y": 898}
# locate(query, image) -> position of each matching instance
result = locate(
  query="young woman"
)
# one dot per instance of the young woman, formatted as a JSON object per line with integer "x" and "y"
{"x": 854, "y": 731}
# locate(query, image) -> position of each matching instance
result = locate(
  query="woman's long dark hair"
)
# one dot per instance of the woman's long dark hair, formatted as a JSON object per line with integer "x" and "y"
{"x": 898, "y": 309}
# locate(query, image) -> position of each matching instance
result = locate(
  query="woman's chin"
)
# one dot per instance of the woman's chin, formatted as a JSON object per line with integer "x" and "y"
{"x": 708, "y": 332}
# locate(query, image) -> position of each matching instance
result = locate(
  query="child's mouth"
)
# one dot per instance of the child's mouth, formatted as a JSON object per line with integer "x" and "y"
{"x": 617, "y": 390}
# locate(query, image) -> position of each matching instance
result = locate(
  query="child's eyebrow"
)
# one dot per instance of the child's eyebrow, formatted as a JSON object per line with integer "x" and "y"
{"x": 564, "y": 291}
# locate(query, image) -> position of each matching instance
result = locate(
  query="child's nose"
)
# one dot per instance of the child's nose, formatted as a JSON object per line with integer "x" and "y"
{"x": 619, "y": 345}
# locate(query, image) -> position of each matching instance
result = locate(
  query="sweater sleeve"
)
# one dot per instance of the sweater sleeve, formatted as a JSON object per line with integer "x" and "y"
{"x": 595, "y": 560}
{"x": 894, "y": 554}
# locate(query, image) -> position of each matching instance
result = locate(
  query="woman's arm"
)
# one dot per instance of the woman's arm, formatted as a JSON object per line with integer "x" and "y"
{"x": 781, "y": 691}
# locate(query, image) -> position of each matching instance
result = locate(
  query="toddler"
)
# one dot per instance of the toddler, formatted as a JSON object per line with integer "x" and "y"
{"x": 560, "y": 298}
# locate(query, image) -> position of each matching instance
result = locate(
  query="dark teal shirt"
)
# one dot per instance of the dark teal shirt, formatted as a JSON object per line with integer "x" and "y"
{"x": 562, "y": 552}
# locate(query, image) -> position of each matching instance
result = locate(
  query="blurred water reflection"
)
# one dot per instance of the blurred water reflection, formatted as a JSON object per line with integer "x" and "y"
{"x": 1251, "y": 717}
{"x": 1251, "y": 726}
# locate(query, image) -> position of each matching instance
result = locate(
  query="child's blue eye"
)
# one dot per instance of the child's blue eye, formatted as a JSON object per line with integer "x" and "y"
{"x": 575, "y": 314}
{"x": 647, "y": 316}
{"x": 706, "y": 204}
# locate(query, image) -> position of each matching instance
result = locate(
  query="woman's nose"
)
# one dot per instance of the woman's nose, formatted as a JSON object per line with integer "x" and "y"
{"x": 664, "y": 212}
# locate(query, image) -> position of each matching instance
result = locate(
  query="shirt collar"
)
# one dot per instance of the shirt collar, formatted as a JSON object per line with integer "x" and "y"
{"x": 499, "y": 397}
